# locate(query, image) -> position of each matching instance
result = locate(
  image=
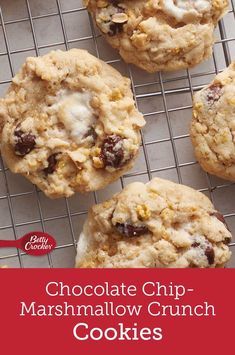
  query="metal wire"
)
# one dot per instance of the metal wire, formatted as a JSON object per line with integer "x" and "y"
{"x": 159, "y": 86}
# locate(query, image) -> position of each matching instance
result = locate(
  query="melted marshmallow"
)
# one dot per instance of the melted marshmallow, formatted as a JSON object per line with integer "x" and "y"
{"x": 76, "y": 114}
{"x": 82, "y": 247}
{"x": 181, "y": 9}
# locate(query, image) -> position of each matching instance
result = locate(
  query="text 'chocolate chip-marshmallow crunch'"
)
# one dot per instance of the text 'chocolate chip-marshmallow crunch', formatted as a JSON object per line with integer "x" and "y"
{"x": 160, "y": 224}
{"x": 69, "y": 123}
{"x": 159, "y": 34}
{"x": 213, "y": 125}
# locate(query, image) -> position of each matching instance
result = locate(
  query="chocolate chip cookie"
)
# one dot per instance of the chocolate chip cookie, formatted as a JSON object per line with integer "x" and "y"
{"x": 159, "y": 34}
{"x": 213, "y": 125}
{"x": 69, "y": 123}
{"x": 160, "y": 224}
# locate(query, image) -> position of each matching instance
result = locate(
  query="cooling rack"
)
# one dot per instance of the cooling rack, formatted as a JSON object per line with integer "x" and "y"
{"x": 34, "y": 27}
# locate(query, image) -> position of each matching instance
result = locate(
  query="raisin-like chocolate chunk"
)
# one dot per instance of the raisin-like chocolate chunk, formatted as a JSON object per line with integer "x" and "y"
{"x": 115, "y": 28}
{"x": 227, "y": 241}
{"x": 25, "y": 142}
{"x": 112, "y": 153}
{"x": 195, "y": 245}
{"x": 129, "y": 230}
{"x": 118, "y": 20}
{"x": 210, "y": 254}
{"x": 214, "y": 93}
{"x": 220, "y": 217}
{"x": 52, "y": 161}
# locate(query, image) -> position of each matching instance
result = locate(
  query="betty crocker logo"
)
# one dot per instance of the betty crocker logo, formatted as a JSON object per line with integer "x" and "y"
{"x": 33, "y": 243}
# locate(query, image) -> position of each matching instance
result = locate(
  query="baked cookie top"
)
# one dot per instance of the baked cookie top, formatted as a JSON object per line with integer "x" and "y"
{"x": 160, "y": 224}
{"x": 69, "y": 123}
{"x": 159, "y": 34}
{"x": 213, "y": 125}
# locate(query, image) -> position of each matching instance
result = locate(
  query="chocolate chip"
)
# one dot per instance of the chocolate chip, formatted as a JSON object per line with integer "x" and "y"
{"x": 210, "y": 254}
{"x": 129, "y": 230}
{"x": 18, "y": 133}
{"x": 227, "y": 241}
{"x": 112, "y": 153}
{"x": 25, "y": 142}
{"x": 195, "y": 245}
{"x": 52, "y": 161}
{"x": 115, "y": 28}
{"x": 214, "y": 92}
{"x": 220, "y": 217}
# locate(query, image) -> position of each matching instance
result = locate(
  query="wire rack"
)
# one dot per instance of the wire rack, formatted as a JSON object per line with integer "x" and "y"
{"x": 33, "y": 27}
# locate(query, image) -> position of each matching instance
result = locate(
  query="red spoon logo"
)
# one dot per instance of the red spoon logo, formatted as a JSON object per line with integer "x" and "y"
{"x": 33, "y": 243}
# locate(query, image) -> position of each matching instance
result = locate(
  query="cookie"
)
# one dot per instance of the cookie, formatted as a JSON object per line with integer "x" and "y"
{"x": 69, "y": 123}
{"x": 159, "y": 34}
{"x": 160, "y": 224}
{"x": 213, "y": 125}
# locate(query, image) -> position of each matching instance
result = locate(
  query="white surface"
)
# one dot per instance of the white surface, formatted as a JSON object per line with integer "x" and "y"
{"x": 183, "y": 10}
{"x": 75, "y": 112}
{"x": 165, "y": 135}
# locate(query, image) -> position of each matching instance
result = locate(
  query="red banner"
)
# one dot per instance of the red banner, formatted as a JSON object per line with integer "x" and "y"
{"x": 64, "y": 311}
